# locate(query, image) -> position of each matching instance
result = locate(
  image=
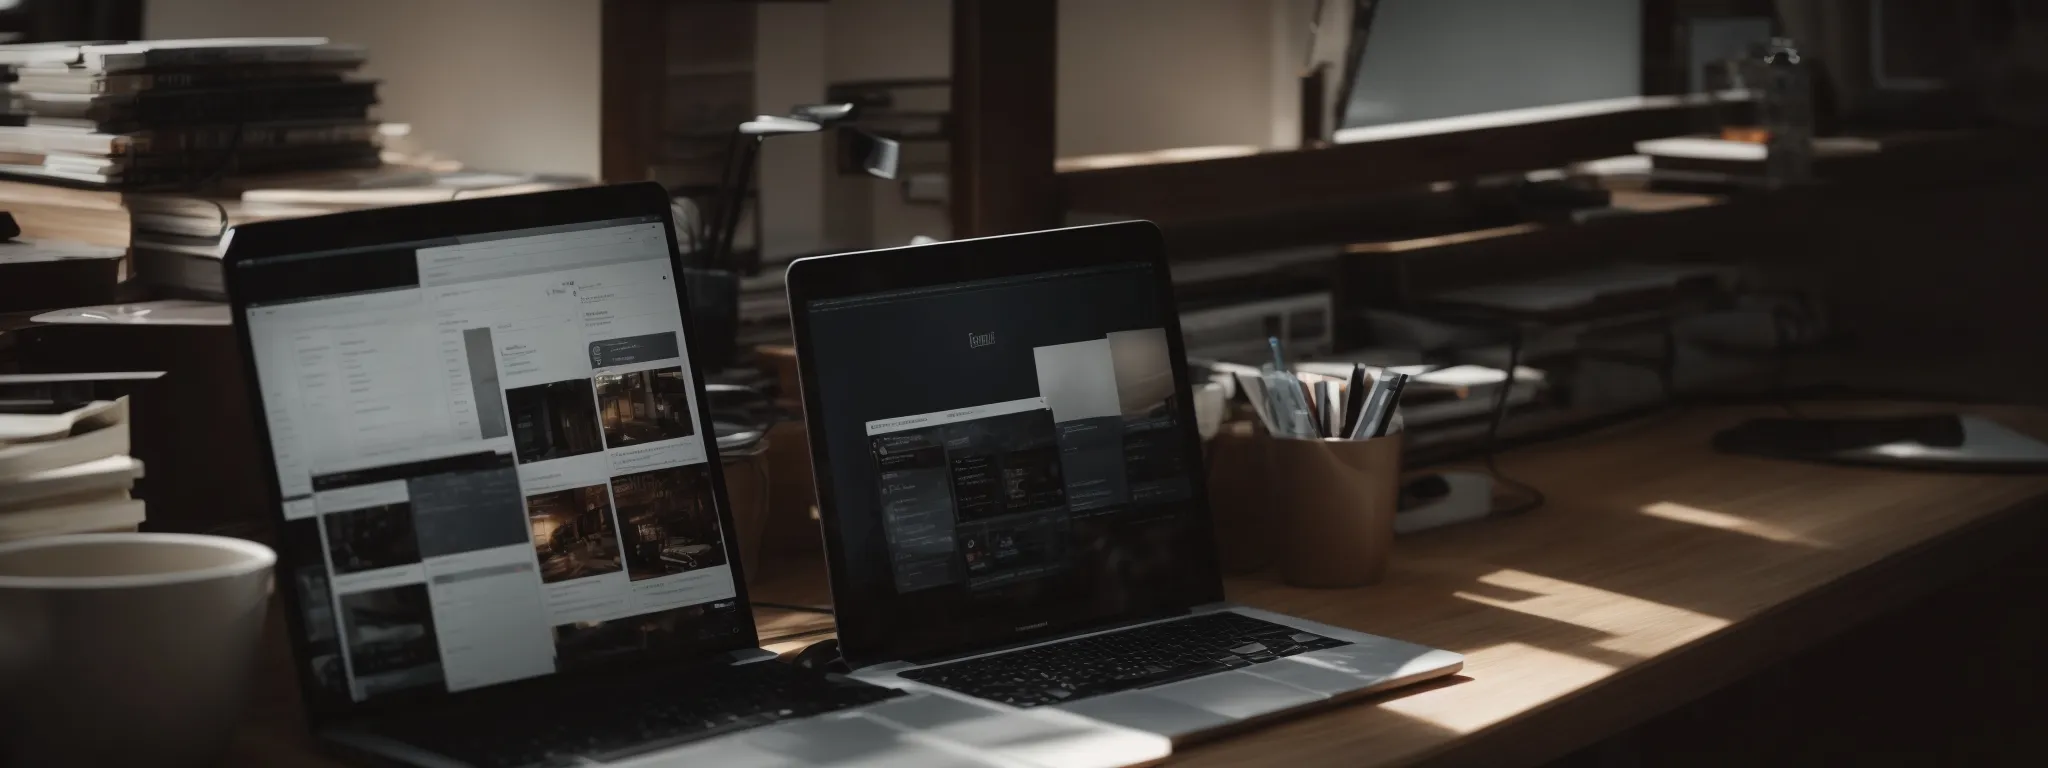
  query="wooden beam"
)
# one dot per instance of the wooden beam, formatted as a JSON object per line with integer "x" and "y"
{"x": 631, "y": 81}
{"x": 1663, "y": 70}
{"x": 1004, "y": 56}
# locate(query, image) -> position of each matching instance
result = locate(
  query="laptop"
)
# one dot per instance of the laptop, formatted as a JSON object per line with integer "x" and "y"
{"x": 503, "y": 536}
{"x": 1011, "y": 491}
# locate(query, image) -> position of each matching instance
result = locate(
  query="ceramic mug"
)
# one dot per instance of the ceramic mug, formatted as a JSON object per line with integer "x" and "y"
{"x": 127, "y": 648}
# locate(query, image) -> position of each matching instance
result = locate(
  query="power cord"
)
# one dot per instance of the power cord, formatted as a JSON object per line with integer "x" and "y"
{"x": 1535, "y": 498}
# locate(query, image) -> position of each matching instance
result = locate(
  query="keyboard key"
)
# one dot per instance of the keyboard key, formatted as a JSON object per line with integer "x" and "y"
{"x": 1140, "y": 657}
{"x": 614, "y": 723}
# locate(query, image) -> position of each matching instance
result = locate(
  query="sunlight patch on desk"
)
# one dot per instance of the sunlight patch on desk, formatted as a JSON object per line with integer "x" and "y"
{"x": 1634, "y": 626}
{"x": 1680, "y": 513}
{"x": 1513, "y": 677}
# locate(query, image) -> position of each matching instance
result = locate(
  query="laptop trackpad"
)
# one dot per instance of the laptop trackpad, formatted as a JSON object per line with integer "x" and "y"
{"x": 1323, "y": 678}
{"x": 848, "y": 740}
{"x": 1237, "y": 694}
{"x": 1377, "y": 661}
{"x": 725, "y": 752}
{"x": 1038, "y": 736}
{"x": 1149, "y": 713}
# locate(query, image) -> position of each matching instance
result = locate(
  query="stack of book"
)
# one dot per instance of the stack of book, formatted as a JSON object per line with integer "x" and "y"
{"x": 67, "y": 471}
{"x": 160, "y": 147}
{"x": 182, "y": 113}
{"x": 55, "y": 273}
{"x": 178, "y": 239}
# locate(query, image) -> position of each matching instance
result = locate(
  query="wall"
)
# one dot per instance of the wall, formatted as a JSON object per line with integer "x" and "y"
{"x": 790, "y": 70}
{"x": 497, "y": 84}
{"x": 1153, "y": 74}
{"x": 1440, "y": 58}
{"x": 878, "y": 39}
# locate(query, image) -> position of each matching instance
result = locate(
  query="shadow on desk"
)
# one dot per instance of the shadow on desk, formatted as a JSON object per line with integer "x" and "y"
{"x": 1659, "y": 572}
{"x": 1957, "y": 678}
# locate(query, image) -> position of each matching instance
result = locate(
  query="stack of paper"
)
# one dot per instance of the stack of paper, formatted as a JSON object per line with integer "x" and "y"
{"x": 67, "y": 472}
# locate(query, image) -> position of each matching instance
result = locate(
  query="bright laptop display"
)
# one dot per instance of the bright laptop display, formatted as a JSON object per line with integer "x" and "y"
{"x": 489, "y": 458}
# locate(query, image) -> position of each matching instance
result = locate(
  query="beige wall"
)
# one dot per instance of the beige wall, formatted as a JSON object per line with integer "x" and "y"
{"x": 497, "y": 84}
{"x": 1153, "y": 74}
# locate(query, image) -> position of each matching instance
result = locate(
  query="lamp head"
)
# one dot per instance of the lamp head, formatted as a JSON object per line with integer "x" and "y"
{"x": 863, "y": 151}
{"x": 771, "y": 125}
{"x": 823, "y": 113}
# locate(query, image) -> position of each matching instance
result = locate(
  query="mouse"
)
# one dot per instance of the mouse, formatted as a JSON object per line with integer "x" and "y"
{"x": 822, "y": 656}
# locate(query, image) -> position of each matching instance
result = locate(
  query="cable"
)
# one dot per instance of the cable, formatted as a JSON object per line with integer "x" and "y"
{"x": 1500, "y": 412}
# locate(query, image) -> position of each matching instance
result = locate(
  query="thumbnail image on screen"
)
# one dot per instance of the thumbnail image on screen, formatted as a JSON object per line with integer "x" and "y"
{"x": 573, "y": 533}
{"x": 553, "y": 421}
{"x": 668, "y": 522}
{"x": 391, "y": 641}
{"x": 643, "y": 406}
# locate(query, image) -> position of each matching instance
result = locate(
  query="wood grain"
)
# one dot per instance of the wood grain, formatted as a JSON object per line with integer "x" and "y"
{"x": 1658, "y": 571}
{"x": 630, "y": 87}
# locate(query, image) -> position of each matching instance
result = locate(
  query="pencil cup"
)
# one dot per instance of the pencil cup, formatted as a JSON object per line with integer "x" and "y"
{"x": 1338, "y": 498}
{"x": 1247, "y": 524}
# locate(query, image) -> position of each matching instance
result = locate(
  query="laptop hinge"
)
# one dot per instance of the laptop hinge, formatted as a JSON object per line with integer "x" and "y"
{"x": 1043, "y": 640}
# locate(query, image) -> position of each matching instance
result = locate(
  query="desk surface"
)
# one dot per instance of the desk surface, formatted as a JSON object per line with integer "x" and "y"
{"x": 1657, "y": 571}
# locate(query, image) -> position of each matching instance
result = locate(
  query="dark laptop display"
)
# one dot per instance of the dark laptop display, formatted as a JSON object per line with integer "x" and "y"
{"x": 488, "y": 455}
{"x": 1008, "y": 456}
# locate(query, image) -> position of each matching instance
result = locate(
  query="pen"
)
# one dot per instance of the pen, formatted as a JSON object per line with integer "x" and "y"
{"x": 1255, "y": 391}
{"x": 1289, "y": 406}
{"x": 1389, "y": 404}
{"x": 1308, "y": 402}
{"x": 1354, "y": 399}
{"x": 1326, "y": 408}
{"x": 1370, "y": 411}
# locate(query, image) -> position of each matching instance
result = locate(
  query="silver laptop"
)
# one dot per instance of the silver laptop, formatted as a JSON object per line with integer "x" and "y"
{"x": 1012, "y": 494}
{"x": 503, "y": 532}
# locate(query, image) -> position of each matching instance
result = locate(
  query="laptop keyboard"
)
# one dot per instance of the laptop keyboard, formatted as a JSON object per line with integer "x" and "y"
{"x": 612, "y": 724}
{"x": 1140, "y": 657}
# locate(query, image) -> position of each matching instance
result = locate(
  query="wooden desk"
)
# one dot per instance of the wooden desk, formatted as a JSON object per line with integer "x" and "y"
{"x": 1657, "y": 571}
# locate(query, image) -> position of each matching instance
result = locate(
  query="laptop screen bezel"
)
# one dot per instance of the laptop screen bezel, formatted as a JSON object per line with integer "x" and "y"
{"x": 368, "y": 229}
{"x": 861, "y": 641}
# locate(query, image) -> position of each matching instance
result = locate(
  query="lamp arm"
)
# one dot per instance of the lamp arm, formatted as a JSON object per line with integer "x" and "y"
{"x": 750, "y": 147}
{"x": 712, "y": 224}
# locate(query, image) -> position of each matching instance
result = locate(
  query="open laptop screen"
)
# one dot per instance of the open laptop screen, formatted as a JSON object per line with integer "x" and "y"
{"x": 488, "y": 456}
{"x": 1009, "y": 457}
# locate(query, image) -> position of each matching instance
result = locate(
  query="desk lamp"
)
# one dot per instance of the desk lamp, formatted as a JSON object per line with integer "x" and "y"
{"x": 711, "y": 275}
{"x": 875, "y": 155}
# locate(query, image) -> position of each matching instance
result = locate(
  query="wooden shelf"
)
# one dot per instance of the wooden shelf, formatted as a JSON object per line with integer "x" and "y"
{"x": 1241, "y": 183}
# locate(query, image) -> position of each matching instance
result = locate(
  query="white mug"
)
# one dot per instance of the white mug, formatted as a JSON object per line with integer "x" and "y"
{"x": 127, "y": 648}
